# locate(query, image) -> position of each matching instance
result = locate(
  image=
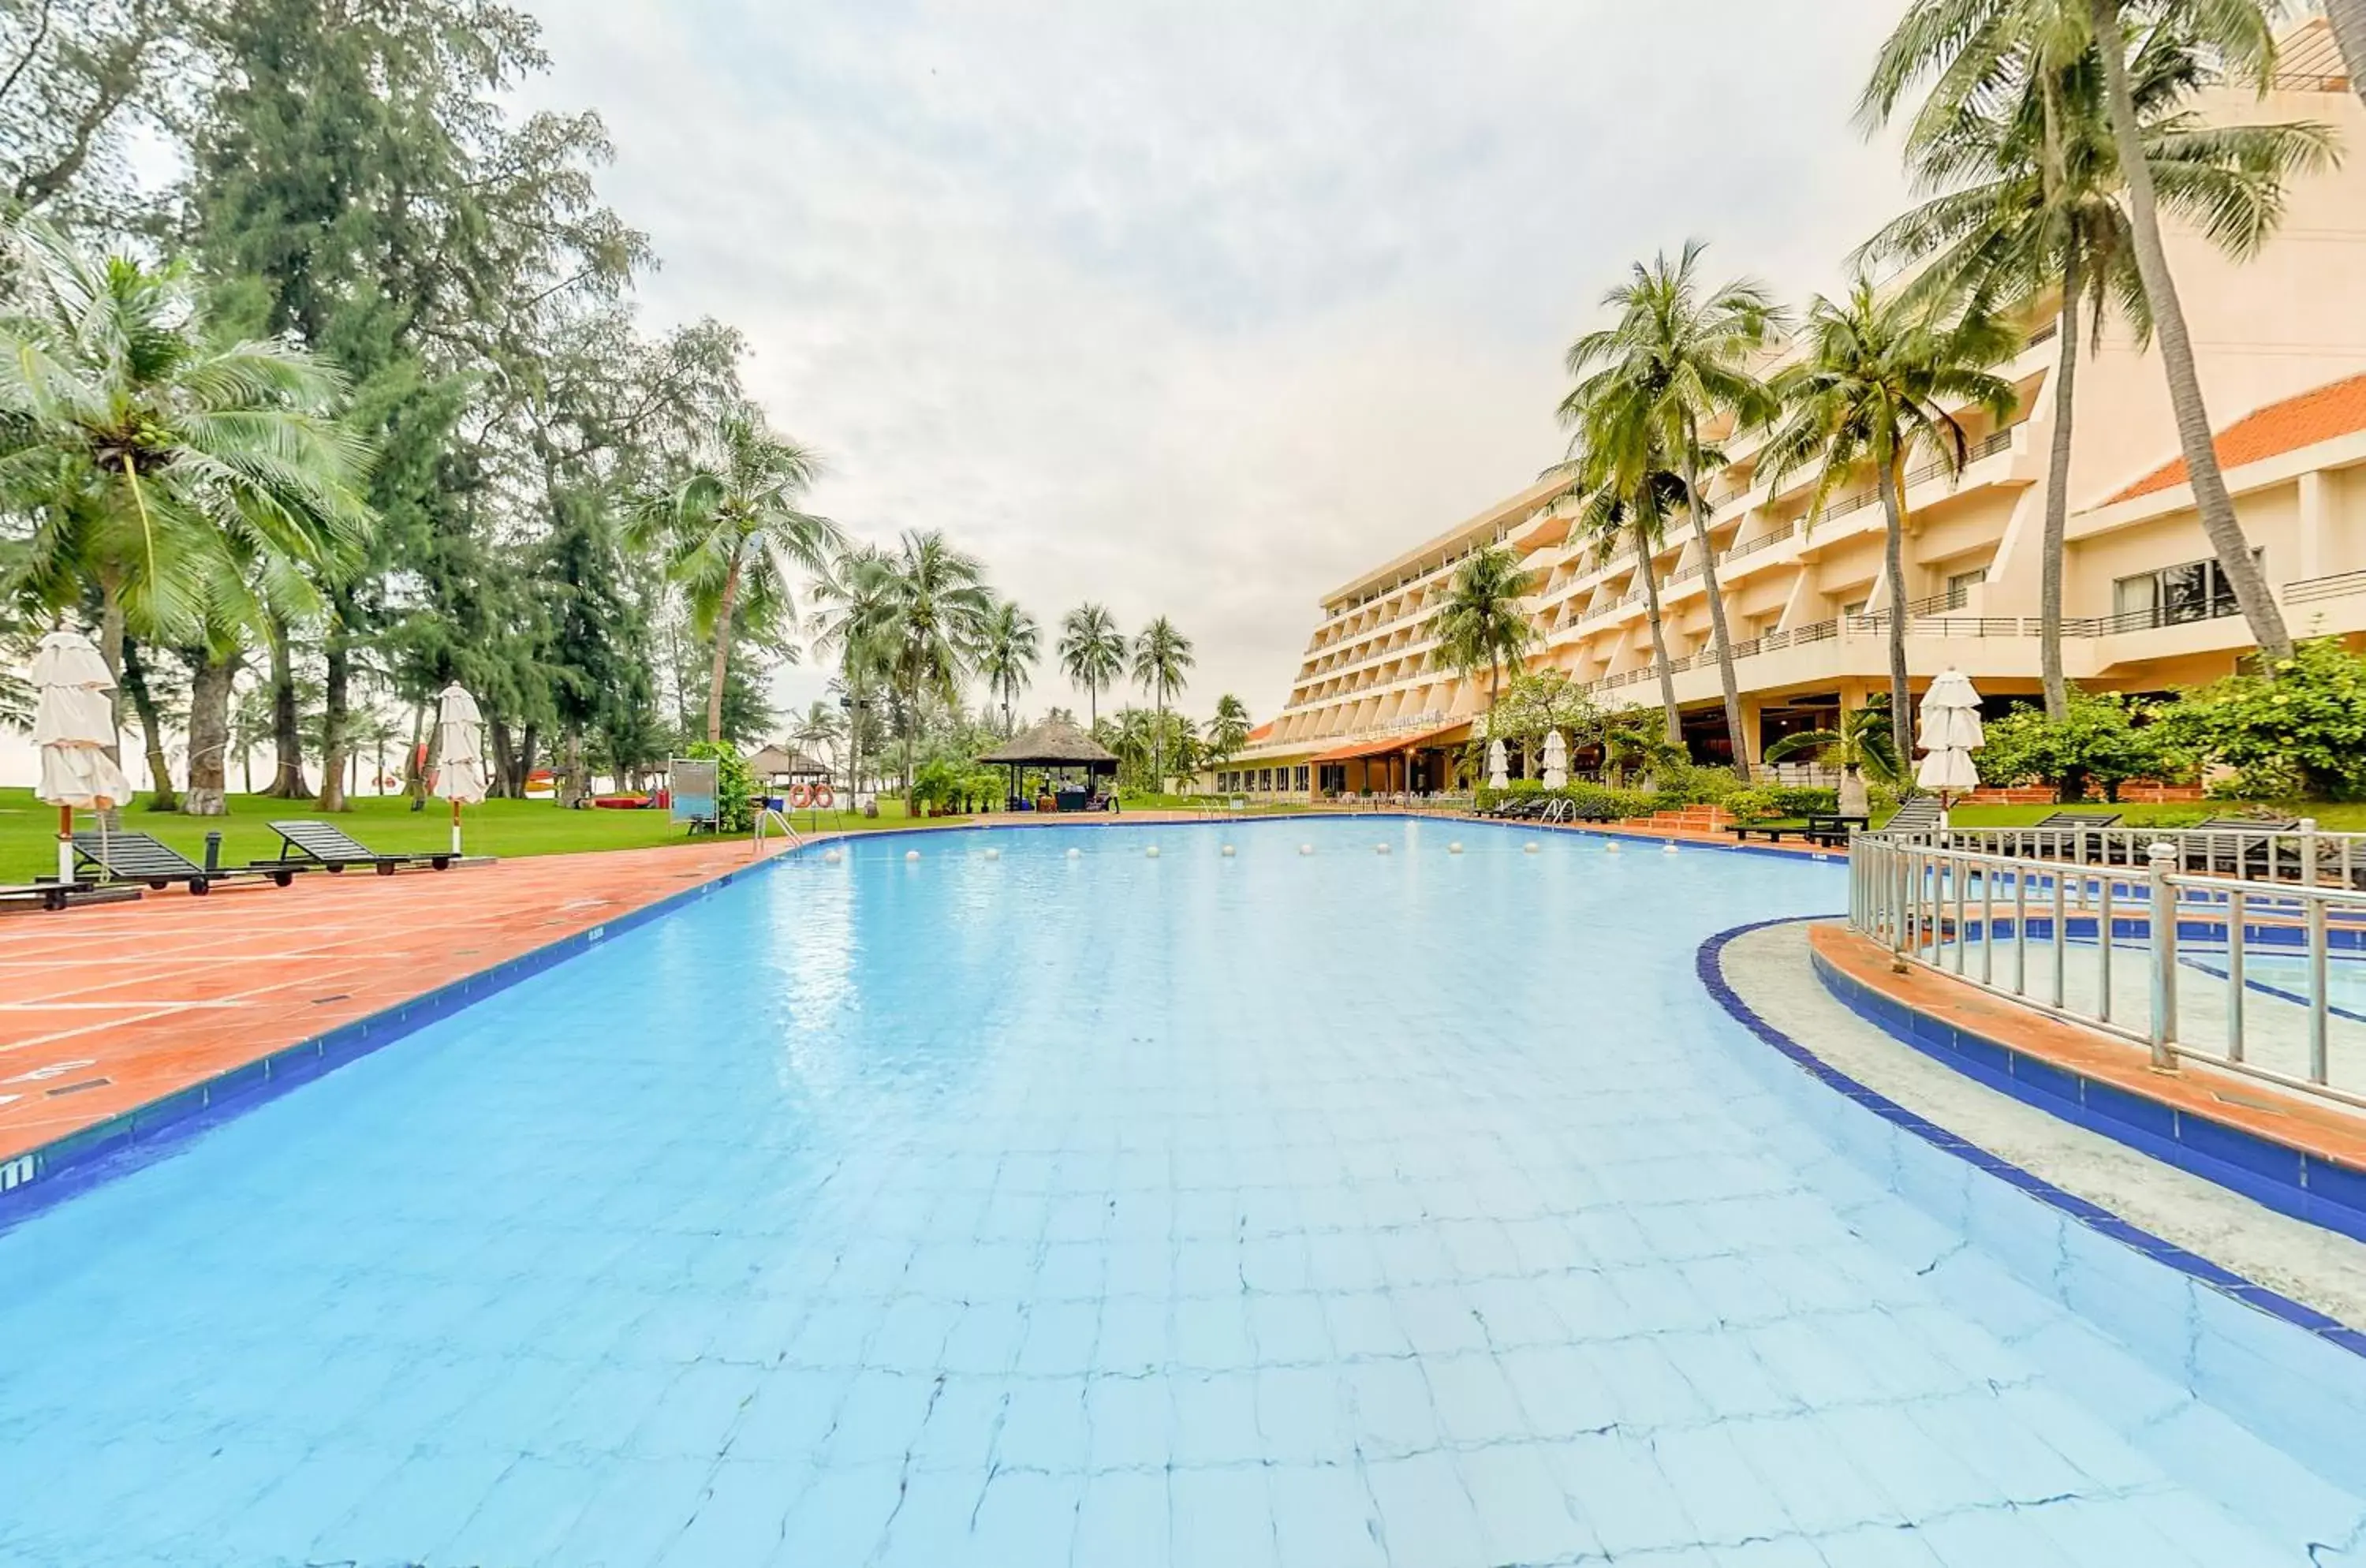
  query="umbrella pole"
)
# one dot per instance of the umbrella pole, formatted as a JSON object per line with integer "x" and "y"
{"x": 455, "y": 827}
{"x": 65, "y": 843}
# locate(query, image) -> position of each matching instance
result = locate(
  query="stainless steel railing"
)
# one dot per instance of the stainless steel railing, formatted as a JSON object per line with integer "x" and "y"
{"x": 2258, "y": 973}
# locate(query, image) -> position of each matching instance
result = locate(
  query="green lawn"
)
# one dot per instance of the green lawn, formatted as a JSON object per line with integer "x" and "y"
{"x": 2346, "y": 817}
{"x": 504, "y": 827}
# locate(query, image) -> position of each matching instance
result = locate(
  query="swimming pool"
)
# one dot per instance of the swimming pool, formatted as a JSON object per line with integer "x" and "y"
{"x": 1309, "y": 1209}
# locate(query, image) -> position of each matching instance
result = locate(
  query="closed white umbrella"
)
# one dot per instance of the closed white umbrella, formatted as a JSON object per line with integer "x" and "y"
{"x": 74, "y": 723}
{"x": 1499, "y": 765}
{"x": 460, "y": 754}
{"x": 1556, "y": 760}
{"x": 1949, "y": 720}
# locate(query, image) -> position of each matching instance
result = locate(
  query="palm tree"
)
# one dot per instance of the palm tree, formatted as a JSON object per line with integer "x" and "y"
{"x": 1874, "y": 384}
{"x": 1228, "y": 731}
{"x": 735, "y": 534}
{"x": 1161, "y": 656}
{"x": 817, "y": 729}
{"x": 179, "y": 480}
{"x": 1092, "y": 654}
{"x": 933, "y": 610}
{"x": 1626, "y": 492}
{"x": 1958, "y": 40}
{"x": 2348, "y": 19}
{"x": 852, "y": 599}
{"x": 1862, "y": 747}
{"x": 1678, "y": 357}
{"x": 2029, "y": 198}
{"x": 1483, "y": 625}
{"x": 1008, "y": 647}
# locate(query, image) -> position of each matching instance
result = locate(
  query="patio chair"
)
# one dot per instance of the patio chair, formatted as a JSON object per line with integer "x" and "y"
{"x": 48, "y": 895}
{"x": 305, "y": 844}
{"x": 2066, "y": 832}
{"x": 2239, "y": 846}
{"x": 142, "y": 858}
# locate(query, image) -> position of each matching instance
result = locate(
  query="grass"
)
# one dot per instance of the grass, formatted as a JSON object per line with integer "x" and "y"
{"x": 504, "y": 827}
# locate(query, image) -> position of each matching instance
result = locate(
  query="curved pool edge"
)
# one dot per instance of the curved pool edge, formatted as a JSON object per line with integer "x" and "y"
{"x": 2289, "y": 1375}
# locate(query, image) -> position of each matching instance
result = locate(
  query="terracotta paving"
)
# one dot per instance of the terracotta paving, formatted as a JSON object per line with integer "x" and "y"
{"x": 2258, "y": 1108}
{"x": 114, "y": 1005}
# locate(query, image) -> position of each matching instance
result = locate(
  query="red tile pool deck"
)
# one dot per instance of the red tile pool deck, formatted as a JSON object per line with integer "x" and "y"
{"x": 107, "y": 1008}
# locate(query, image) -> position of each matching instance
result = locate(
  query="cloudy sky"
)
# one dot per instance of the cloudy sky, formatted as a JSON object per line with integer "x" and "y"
{"x": 1201, "y": 309}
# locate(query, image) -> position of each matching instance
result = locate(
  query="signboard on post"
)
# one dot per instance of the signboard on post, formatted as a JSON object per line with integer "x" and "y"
{"x": 691, "y": 783}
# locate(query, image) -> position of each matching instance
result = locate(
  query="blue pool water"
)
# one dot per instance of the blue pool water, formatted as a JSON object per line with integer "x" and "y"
{"x": 1413, "y": 1209}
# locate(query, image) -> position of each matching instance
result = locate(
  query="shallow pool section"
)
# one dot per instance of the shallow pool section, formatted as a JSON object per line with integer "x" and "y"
{"x": 1285, "y": 1208}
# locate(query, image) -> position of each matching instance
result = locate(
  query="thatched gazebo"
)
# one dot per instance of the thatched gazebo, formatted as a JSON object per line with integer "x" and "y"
{"x": 1063, "y": 752}
{"x": 775, "y": 764}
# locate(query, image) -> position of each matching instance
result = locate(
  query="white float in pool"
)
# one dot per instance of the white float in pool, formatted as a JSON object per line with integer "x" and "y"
{"x": 831, "y": 857}
{"x": 911, "y": 854}
{"x": 1152, "y": 851}
{"x": 1074, "y": 853}
{"x": 1455, "y": 848}
{"x": 1380, "y": 848}
{"x": 1611, "y": 848}
{"x": 1228, "y": 851}
{"x": 1306, "y": 849}
{"x": 1667, "y": 848}
{"x": 994, "y": 854}
{"x": 1528, "y": 848}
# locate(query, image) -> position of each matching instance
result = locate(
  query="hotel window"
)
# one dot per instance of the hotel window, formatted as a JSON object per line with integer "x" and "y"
{"x": 1301, "y": 775}
{"x": 2197, "y": 591}
{"x": 1264, "y": 779}
{"x": 1960, "y": 585}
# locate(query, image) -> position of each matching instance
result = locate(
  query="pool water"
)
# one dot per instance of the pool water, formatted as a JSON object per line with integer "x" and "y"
{"x": 1414, "y": 1209}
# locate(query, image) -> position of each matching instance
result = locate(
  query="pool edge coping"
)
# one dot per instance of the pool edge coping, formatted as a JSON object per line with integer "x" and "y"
{"x": 1708, "y": 967}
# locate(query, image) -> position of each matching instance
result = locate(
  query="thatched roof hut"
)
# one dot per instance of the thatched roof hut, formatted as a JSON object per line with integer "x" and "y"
{"x": 776, "y": 763}
{"x": 1055, "y": 743}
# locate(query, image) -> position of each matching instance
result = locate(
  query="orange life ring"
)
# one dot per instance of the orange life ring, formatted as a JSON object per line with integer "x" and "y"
{"x": 799, "y": 797}
{"x": 821, "y": 797}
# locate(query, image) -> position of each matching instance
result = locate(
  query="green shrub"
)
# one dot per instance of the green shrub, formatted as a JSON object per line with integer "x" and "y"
{"x": 2297, "y": 729}
{"x": 1766, "y": 803}
{"x": 2104, "y": 739}
{"x": 735, "y": 787}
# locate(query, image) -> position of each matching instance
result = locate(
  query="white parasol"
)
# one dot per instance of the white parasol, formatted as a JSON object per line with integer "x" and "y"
{"x": 1556, "y": 761}
{"x": 460, "y": 754}
{"x": 1499, "y": 766}
{"x": 1949, "y": 721}
{"x": 74, "y": 723}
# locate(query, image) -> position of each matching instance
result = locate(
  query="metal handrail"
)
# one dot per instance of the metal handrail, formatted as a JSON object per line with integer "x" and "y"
{"x": 2238, "y": 973}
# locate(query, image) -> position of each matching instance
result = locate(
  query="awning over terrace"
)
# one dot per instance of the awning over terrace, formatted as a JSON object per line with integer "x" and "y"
{"x": 1393, "y": 745}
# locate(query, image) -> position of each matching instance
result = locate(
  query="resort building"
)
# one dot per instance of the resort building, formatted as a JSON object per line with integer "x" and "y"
{"x": 2281, "y": 341}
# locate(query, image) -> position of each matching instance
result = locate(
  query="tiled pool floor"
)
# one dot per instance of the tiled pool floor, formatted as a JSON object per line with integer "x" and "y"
{"x": 1333, "y": 1210}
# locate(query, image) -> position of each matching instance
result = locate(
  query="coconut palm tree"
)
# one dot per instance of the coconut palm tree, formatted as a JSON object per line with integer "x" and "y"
{"x": 2347, "y": 18}
{"x": 1958, "y": 40}
{"x": 735, "y": 534}
{"x": 1228, "y": 731}
{"x": 2029, "y": 198}
{"x": 816, "y": 730}
{"x": 931, "y": 616}
{"x": 1007, "y": 648}
{"x": 1678, "y": 357}
{"x": 181, "y": 482}
{"x": 1162, "y": 656}
{"x": 1092, "y": 654}
{"x": 851, "y": 624}
{"x": 1877, "y": 381}
{"x": 1483, "y": 625}
{"x": 1862, "y": 747}
{"x": 1627, "y": 492}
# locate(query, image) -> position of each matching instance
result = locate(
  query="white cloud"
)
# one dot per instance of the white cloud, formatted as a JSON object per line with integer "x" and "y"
{"x": 1199, "y": 309}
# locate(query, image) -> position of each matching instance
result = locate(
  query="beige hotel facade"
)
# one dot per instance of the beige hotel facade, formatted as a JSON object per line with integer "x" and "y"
{"x": 2280, "y": 342}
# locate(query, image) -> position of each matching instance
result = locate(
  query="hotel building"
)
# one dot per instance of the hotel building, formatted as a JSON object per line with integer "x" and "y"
{"x": 2280, "y": 342}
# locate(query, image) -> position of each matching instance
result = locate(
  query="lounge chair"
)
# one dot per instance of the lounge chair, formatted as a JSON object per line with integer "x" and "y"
{"x": 2241, "y": 846}
{"x": 141, "y": 857}
{"x": 1915, "y": 814}
{"x": 48, "y": 895}
{"x": 1771, "y": 830}
{"x": 304, "y": 844}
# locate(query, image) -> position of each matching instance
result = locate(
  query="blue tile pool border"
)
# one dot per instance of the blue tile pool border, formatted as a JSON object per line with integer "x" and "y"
{"x": 57, "y": 1171}
{"x": 1708, "y": 964}
{"x": 2287, "y": 1178}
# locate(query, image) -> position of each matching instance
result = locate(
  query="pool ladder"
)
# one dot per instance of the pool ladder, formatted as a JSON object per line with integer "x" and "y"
{"x": 766, "y": 815}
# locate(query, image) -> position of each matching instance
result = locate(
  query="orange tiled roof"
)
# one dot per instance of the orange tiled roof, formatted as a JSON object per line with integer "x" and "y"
{"x": 2337, "y": 408}
{"x": 1261, "y": 732}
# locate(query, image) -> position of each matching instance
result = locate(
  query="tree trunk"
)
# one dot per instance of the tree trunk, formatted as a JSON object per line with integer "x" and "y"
{"x": 1659, "y": 645}
{"x": 2193, "y": 429}
{"x": 529, "y": 744}
{"x": 2348, "y": 20}
{"x": 414, "y": 759}
{"x": 110, "y": 649}
{"x": 1158, "y": 750}
{"x": 1716, "y": 611}
{"x": 152, "y": 733}
{"x": 572, "y": 785}
{"x": 211, "y": 676}
{"x": 721, "y": 652}
{"x": 1893, "y": 567}
{"x": 286, "y": 733}
{"x": 2058, "y": 501}
{"x": 336, "y": 710}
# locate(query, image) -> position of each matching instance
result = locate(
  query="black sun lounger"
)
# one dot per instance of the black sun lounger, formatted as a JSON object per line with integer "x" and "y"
{"x": 141, "y": 857}
{"x": 304, "y": 844}
{"x": 48, "y": 895}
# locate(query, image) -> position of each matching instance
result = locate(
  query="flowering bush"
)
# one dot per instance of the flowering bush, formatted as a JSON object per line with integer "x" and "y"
{"x": 2299, "y": 728}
